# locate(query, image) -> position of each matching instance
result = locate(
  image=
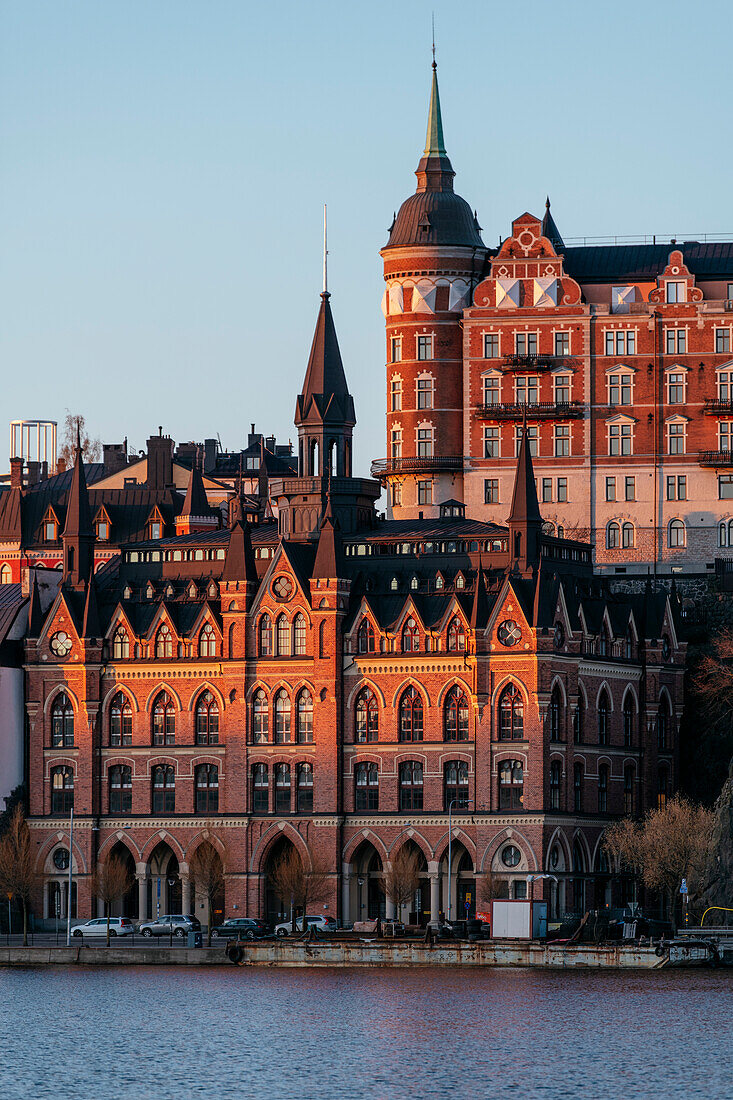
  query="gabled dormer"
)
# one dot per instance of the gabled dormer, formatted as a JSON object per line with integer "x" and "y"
{"x": 102, "y": 525}
{"x": 155, "y": 524}
{"x": 50, "y": 527}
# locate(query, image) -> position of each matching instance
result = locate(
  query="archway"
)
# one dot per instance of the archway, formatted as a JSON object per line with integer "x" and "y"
{"x": 367, "y": 900}
{"x": 126, "y": 906}
{"x": 460, "y": 879}
{"x": 207, "y": 884}
{"x": 276, "y": 909}
{"x": 417, "y": 910}
{"x": 164, "y": 882}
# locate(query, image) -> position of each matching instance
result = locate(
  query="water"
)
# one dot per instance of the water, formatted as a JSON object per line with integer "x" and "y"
{"x": 137, "y": 1032}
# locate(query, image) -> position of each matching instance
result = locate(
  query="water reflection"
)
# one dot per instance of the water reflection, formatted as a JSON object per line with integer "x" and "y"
{"x": 384, "y": 1034}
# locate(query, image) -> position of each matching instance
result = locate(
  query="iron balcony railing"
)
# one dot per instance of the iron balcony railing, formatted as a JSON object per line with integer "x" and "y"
{"x": 715, "y": 406}
{"x": 715, "y": 458}
{"x": 538, "y": 410}
{"x": 537, "y": 362}
{"x": 383, "y": 467}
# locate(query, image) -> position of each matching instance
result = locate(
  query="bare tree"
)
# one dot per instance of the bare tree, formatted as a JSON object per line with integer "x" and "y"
{"x": 665, "y": 846}
{"x": 91, "y": 449}
{"x": 490, "y": 887}
{"x": 110, "y": 882}
{"x": 707, "y": 745}
{"x": 402, "y": 879}
{"x": 18, "y": 875}
{"x": 207, "y": 875}
{"x": 297, "y": 885}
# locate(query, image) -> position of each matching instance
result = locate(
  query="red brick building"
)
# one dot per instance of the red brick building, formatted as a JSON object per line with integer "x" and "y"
{"x": 621, "y": 356}
{"x": 348, "y": 686}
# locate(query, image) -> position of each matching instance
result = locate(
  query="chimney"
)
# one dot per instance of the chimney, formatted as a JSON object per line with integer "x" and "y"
{"x": 210, "y": 452}
{"x": 114, "y": 457}
{"x": 16, "y": 473}
{"x": 61, "y": 466}
{"x": 160, "y": 461}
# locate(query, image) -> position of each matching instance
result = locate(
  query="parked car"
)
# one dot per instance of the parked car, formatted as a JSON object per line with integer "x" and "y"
{"x": 244, "y": 928}
{"x": 320, "y": 923}
{"x": 179, "y": 924}
{"x": 118, "y": 926}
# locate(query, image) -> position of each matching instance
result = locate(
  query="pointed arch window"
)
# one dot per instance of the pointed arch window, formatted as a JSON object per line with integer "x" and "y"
{"x": 604, "y": 719}
{"x": 578, "y": 788}
{"x": 62, "y": 790}
{"x": 663, "y": 724}
{"x": 120, "y": 789}
{"x": 365, "y": 637}
{"x": 164, "y": 789}
{"x": 304, "y": 717}
{"x": 455, "y": 784}
{"x": 555, "y": 780}
{"x": 164, "y": 643}
{"x": 367, "y": 717}
{"x": 410, "y": 636}
{"x": 578, "y": 722}
{"x": 207, "y": 720}
{"x": 260, "y": 789}
{"x": 411, "y": 715}
{"x": 556, "y": 714}
{"x": 511, "y": 714}
{"x": 120, "y": 645}
{"x": 265, "y": 640}
{"x": 164, "y": 720}
{"x": 366, "y": 787}
{"x": 629, "y": 783}
{"x": 62, "y": 722}
{"x": 456, "y": 636}
{"x": 207, "y": 789}
{"x": 6, "y": 574}
{"x": 120, "y": 721}
{"x": 411, "y": 785}
{"x": 603, "y": 789}
{"x": 628, "y": 721}
{"x": 456, "y": 715}
{"x": 207, "y": 642}
{"x": 260, "y": 718}
{"x": 282, "y": 718}
{"x": 662, "y": 788}
{"x": 304, "y": 788}
{"x": 283, "y": 636}
{"x": 511, "y": 785}
{"x": 282, "y": 788}
{"x": 299, "y": 635}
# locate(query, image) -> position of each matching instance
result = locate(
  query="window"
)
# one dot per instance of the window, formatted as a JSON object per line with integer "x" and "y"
{"x": 619, "y": 389}
{"x": 628, "y": 722}
{"x": 621, "y": 342}
{"x": 511, "y": 714}
{"x": 260, "y": 718}
{"x": 456, "y": 715}
{"x": 411, "y": 716}
{"x": 425, "y": 443}
{"x": 492, "y": 390}
{"x": 562, "y": 343}
{"x": 556, "y": 715}
{"x": 410, "y": 636}
{"x": 424, "y": 492}
{"x": 610, "y": 488}
{"x": 511, "y": 785}
{"x": 207, "y": 642}
{"x": 629, "y": 779}
{"x": 555, "y": 780}
{"x": 676, "y": 389}
{"x": 282, "y": 718}
{"x": 365, "y": 637}
{"x": 282, "y": 788}
{"x": 620, "y": 439}
{"x": 675, "y": 534}
{"x": 164, "y": 720}
{"x": 396, "y": 394}
{"x": 675, "y": 292}
{"x": 299, "y": 635}
{"x": 260, "y": 789}
{"x": 425, "y": 347}
{"x": 526, "y": 343}
{"x": 6, "y": 574}
{"x": 725, "y": 386}
{"x": 120, "y": 789}
{"x": 722, "y": 340}
{"x": 62, "y": 790}
{"x": 265, "y": 632}
{"x": 120, "y": 721}
{"x": 411, "y": 785}
{"x": 207, "y": 720}
{"x": 455, "y": 784}
{"x": 396, "y": 443}
{"x": 613, "y": 536}
{"x": 207, "y": 789}
{"x": 366, "y": 787}
{"x": 546, "y": 489}
{"x": 164, "y": 643}
{"x": 562, "y": 440}
{"x": 164, "y": 789}
{"x": 491, "y": 490}
{"x": 532, "y": 439}
{"x": 366, "y": 717}
{"x": 282, "y": 628}
{"x": 396, "y": 493}
{"x": 676, "y": 439}
{"x": 604, "y": 715}
{"x": 603, "y": 789}
{"x": 627, "y": 536}
{"x": 491, "y": 345}
{"x": 630, "y": 488}
{"x": 304, "y": 788}
{"x": 304, "y": 717}
{"x": 50, "y": 531}
{"x": 527, "y": 390}
{"x": 663, "y": 725}
{"x": 492, "y": 448}
{"x": 725, "y": 487}
{"x": 562, "y": 389}
{"x": 662, "y": 789}
{"x": 578, "y": 788}
{"x": 156, "y": 529}
{"x": 424, "y": 393}
{"x": 456, "y": 636}
{"x": 395, "y": 346}
{"x": 62, "y": 722}
{"x": 120, "y": 645}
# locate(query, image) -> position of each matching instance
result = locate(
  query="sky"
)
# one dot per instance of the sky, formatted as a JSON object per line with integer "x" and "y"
{"x": 164, "y": 164}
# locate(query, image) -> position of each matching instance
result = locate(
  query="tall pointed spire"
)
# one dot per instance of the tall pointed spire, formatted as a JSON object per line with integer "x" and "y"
{"x": 434, "y": 144}
{"x": 525, "y": 519}
{"x": 78, "y": 535}
{"x": 91, "y": 627}
{"x": 240, "y": 564}
{"x": 480, "y": 606}
{"x": 550, "y": 230}
{"x": 328, "y": 555}
{"x": 196, "y": 514}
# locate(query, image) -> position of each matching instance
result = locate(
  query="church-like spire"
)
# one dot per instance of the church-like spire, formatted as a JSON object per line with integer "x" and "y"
{"x": 328, "y": 555}
{"x": 434, "y": 172}
{"x": 240, "y": 564}
{"x": 550, "y": 230}
{"x": 480, "y": 606}
{"x": 196, "y": 514}
{"x": 78, "y": 535}
{"x": 525, "y": 520}
{"x": 434, "y": 145}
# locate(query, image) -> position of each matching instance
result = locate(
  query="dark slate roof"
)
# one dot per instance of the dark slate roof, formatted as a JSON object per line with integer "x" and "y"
{"x": 550, "y": 230}
{"x": 427, "y": 529}
{"x": 61, "y": 483}
{"x": 629, "y": 263}
{"x": 10, "y": 515}
{"x": 435, "y": 217}
{"x": 325, "y": 397}
{"x": 11, "y": 602}
{"x": 196, "y": 502}
{"x": 525, "y": 506}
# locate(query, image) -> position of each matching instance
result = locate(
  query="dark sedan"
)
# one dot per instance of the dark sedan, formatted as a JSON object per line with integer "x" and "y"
{"x": 241, "y": 928}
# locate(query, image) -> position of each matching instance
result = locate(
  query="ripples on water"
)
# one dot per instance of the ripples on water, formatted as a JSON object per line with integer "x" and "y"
{"x": 133, "y": 1033}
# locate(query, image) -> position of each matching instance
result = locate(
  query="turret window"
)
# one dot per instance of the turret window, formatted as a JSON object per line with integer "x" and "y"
{"x": 424, "y": 492}
{"x": 396, "y": 349}
{"x": 425, "y": 347}
{"x": 396, "y": 394}
{"x": 424, "y": 393}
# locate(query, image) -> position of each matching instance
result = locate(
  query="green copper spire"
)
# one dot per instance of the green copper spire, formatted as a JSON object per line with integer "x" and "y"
{"x": 434, "y": 146}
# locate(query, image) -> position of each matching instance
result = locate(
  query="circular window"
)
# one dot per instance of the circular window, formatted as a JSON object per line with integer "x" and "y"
{"x": 511, "y": 856}
{"x": 282, "y": 588}
{"x": 554, "y": 857}
{"x": 60, "y": 643}
{"x": 509, "y": 632}
{"x": 61, "y": 859}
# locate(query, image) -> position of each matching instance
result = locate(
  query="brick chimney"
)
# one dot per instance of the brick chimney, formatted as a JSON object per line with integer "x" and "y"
{"x": 61, "y": 466}
{"x": 16, "y": 473}
{"x": 160, "y": 461}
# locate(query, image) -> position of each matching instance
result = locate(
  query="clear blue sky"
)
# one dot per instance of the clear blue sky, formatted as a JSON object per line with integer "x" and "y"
{"x": 163, "y": 164}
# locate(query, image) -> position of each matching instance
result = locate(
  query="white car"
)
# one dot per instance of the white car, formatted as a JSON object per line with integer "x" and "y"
{"x": 118, "y": 926}
{"x": 320, "y": 923}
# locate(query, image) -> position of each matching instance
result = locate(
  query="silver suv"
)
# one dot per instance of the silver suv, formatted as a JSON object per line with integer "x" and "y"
{"x": 179, "y": 925}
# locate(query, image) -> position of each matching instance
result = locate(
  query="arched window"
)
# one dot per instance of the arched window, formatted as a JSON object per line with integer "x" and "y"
{"x": 629, "y": 711}
{"x": 120, "y": 645}
{"x": 456, "y": 715}
{"x": 62, "y": 722}
{"x": 366, "y": 726}
{"x": 455, "y": 784}
{"x": 411, "y": 785}
{"x": 511, "y": 785}
{"x": 164, "y": 642}
{"x": 629, "y": 781}
{"x": 722, "y": 534}
{"x": 366, "y": 787}
{"x": 662, "y": 788}
{"x": 299, "y": 635}
{"x": 207, "y": 720}
{"x": 410, "y": 637}
{"x": 6, "y": 574}
{"x": 62, "y": 790}
{"x": 265, "y": 644}
{"x": 260, "y": 789}
{"x": 164, "y": 789}
{"x": 164, "y": 720}
{"x": 511, "y": 714}
{"x": 603, "y": 788}
{"x": 627, "y": 536}
{"x": 456, "y": 636}
{"x": 304, "y": 789}
{"x": 613, "y": 535}
{"x": 556, "y": 714}
{"x": 629, "y": 647}
{"x": 675, "y": 534}
{"x": 207, "y": 789}
{"x": 120, "y": 789}
{"x": 304, "y": 717}
{"x": 604, "y": 716}
{"x": 207, "y": 642}
{"x": 411, "y": 716}
{"x": 120, "y": 721}
{"x": 555, "y": 782}
{"x": 322, "y": 640}
{"x": 282, "y": 717}
{"x": 365, "y": 637}
{"x": 283, "y": 636}
{"x": 578, "y": 788}
{"x": 663, "y": 724}
{"x": 260, "y": 718}
{"x": 282, "y": 788}
{"x": 730, "y": 532}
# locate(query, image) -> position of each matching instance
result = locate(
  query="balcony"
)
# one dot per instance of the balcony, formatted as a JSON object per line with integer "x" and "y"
{"x": 542, "y": 410}
{"x": 537, "y": 362}
{"x": 715, "y": 458}
{"x": 383, "y": 467}
{"x": 714, "y": 406}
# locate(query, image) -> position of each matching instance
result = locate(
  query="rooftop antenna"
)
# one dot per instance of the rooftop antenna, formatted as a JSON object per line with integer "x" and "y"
{"x": 325, "y": 250}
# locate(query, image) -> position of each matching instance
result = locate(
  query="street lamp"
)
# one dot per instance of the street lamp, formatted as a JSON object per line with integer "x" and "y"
{"x": 464, "y": 802}
{"x": 531, "y": 878}
{"x": 360, "y": 881}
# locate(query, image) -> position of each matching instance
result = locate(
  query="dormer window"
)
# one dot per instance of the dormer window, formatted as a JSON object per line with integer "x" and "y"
{"x": 676, "y": 292}
{"x": 155, "y": 529}
{"x": 394, "y": 584}
{"x": 127, "y": 592}
{"x": 149, "y": 591}
{"x": 414, "y": 584}
{"x": 192, "y": 591}
{"x": 169, "y": 591}
{"x": 50, "y": 532}
{"x": 460, "y": 581}
{"x": 439, "y": 582}
{"x": 103, "y": 531}
{"x": 213, "y": 592}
